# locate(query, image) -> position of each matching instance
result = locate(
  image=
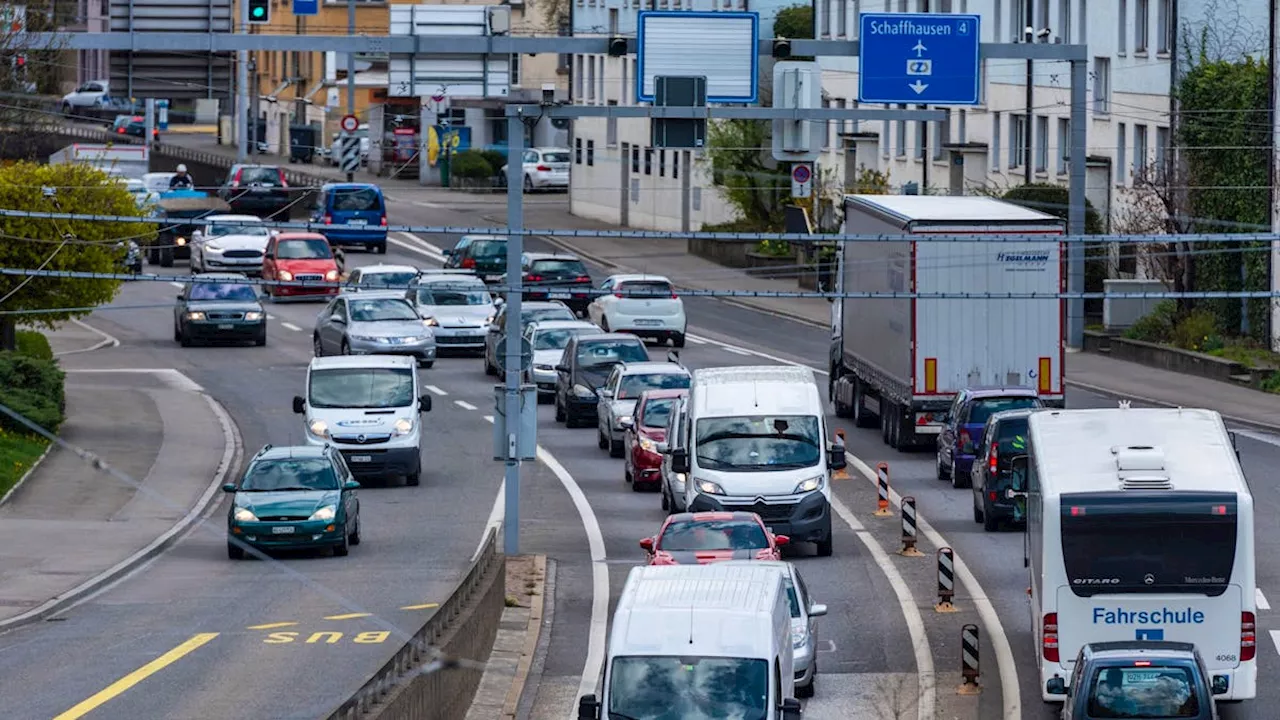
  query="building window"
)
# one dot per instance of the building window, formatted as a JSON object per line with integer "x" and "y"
{"x": 921, "y": 137}
{"x": 1042, "y": 15}
{"x": 826, "y": 17}
{"x": 635, "y": 159}
{"x": 997, "y": 24}
{"x": 944, "y": 6}
{"x": 1141, "y": 25}
{"x": 1122, "y": 41}
{"x": 515, "y": 70}
{"x": 1164, "y": 28}
{"x": 1018, "y": 21}
{"x": 962, "y": 129}
{"x": 675, "y": 165}
{"x": 902, "y": 5}
{"x": 1139, "y": 149}
{"x": 591, "y": 152}
{"x": 1102, "y": 85}
{"x": 611, "y": 129}
{"x": 1064, "y": 145}
{"x": 995, "y": 142}
{"x": 826, "y": 126}
{"x": 1064, "y": 20}
{"x": 884, "y": 139}
{"x": 1082, "y": 31}
{"x": 591, "y": 79}
{"x": 1042, "y": 143}
{"x": 1122, "y": 147}
{"x": 662, "y": 162}
{"x": 900, "y": 137}
{"x": 941, "y": 136}
{"x": 842, "y": 17}
{"x": 578, "y": 71}
{"x": 1017, "y": 140}
{"x": 613, "y": 21}
{"x": 857, "y": 13}
{"x": 982, "y": 81}
{"x": 577, "y": 151}
{"x": 1162, "y": 147}
{"x": 648, "y": 161}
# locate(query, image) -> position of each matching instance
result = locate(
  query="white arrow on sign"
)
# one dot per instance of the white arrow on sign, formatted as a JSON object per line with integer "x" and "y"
{"x": 918, "y": 86}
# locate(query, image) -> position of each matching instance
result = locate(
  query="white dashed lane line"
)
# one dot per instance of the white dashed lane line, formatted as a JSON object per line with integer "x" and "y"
{"x": 177, "y": 284}
{"x": 1260, "y": 600}
{"x": 735, "y": 350}
{"x": 464, "y": 405}
{"x": 488, "y": 418}
{"x": 290, "y": 326}
{"x": 695, "y": 340}
{"x": 435, "y": 390}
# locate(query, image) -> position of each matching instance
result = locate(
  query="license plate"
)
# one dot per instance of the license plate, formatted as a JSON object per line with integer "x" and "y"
{"x": 559, "y": 295}
{"x": 492, "y": 278}
{"x": 226, "y": 326}
{"x": 648, "y": 322}
{"x": 357, "y": 222}
{"x": 361, "y": 458}
{"x": 283, "y": 530}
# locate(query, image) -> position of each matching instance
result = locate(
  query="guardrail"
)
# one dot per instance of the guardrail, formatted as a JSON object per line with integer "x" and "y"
{"x": 396, "y": 689}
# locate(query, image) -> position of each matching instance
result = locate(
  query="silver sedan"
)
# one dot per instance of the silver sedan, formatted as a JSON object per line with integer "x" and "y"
{"x": 373, "y": 323}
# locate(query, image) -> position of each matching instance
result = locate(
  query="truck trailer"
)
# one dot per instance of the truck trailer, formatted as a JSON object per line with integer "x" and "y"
{"x": 897, "y": 363}
{"x": 130, "y": 162}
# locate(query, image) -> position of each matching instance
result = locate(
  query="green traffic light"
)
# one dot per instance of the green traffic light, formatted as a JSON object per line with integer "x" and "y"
{"x": 259, "y": 12}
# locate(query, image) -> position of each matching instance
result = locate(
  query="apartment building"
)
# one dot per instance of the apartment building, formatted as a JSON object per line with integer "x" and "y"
{"x": 617, "y": 176}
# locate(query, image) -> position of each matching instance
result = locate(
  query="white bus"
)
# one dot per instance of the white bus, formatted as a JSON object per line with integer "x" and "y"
{"x": 1139, "y": 527}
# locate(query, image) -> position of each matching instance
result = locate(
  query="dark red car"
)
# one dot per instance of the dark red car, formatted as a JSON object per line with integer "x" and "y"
{"x": 642, "y": 465}
{"x": 708, "y": 537}
{"x": 300, "y": 256}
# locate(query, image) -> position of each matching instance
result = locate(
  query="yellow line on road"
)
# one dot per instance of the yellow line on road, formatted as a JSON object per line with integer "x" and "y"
{"x": 348, "y": 616}
{"x": 271, "y": 626}
{"x": 128, "y": 681}
{"x": 421, "y": 607}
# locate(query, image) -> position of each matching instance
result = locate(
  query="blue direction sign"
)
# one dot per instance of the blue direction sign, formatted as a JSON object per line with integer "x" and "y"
{"x": 306, "y": 7}
{"x": 919, "y": 59}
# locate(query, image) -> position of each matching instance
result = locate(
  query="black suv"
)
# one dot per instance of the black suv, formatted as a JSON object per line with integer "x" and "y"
{"x": 583, "y": 368}
{"x": 1003, "y": 438}
{"x": 556, "y": 276}
{"x": 257, "y": 190}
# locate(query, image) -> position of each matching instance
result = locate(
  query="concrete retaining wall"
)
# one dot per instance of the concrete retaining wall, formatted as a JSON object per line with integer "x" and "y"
{"x": 1176, "y": 360}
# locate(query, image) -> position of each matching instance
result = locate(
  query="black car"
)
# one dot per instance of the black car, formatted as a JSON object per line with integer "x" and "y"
{"x": 257, "y": 190}
{"x": 134, "y": 125}
{"x": 484, "y": 254}
{"x": 556, "y": 276}
{"x": 584, "y": 367}
{"x": 219, "y": 307}
{"x": 1003, "y": 438}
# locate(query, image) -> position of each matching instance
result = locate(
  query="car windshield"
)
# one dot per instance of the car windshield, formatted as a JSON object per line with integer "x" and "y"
{"x": 489, "y": 248}
{"x": 693, "y": 535}
{"x": 317, "y": 248}
{"x": 555, "y": 339}
{"x": 222, "y": 291}
{"x": 444, "y": 296}
{"x": 361, "y": 388}
{"x": 609, "y": 352}
{"x": 356, "y": 199}
{"x": 290, "y": 474}
{"x": 758, "y": 442}
{"x": 558, "y": 268}
{"x": 555, "y": 157}
{"x": 260, "y": 175}
{"x": 792, "y": 599}
{"x": 656, "y": 412}
{"x": 984, "y": 408}
{"x": 388, "y": 279}
{"x": 157, "y": 183}
{"x": 381, "y": 310}
{"x": 229, "y": 228}
{"x": 633, "y": 385}
{"x": 545, "y": 313}
{"x": 1143, "y": 692}
{"x": 646, "y": 289}
{"x": 688, "y": 688}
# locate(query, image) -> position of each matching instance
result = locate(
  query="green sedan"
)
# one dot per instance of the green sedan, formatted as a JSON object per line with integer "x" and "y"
{"x": 220, "y": 307}
{"x": 294, "y": 498}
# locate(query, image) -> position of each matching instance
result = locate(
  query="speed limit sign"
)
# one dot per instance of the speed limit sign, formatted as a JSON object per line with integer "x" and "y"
{"x": 349, "y": 123}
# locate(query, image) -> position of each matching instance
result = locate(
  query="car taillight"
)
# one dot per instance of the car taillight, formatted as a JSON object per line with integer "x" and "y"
{"x": 674, "y": 296}
{"x": 328, "y": 219}
{"x": 533, "y": 278}
{"x": 468, "y": 263}
{"x": 1248, "y": 637}
{"x": 384, "y": 221}
{"x": 121, "y": 131}
{"x": 1049, "y": 637}
{"x": 994, "y": 463}
{"x": 235, "y": 182}
{"x": 582, "y": 279}
{"x": 543, "y": 168}
{"x": 283, "y": 183}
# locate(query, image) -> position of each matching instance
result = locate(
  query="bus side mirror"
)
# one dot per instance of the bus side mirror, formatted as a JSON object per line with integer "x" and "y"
{"x": 588, "y": 708}
{"x": 680, "y": 460}
{"x": 836, "y": 459}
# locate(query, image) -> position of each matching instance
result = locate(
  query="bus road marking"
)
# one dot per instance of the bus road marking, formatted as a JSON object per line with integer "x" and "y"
{"x": 424, "y": 606}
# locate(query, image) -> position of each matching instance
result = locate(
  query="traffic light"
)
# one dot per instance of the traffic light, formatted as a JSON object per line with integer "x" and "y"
{"x": 259, "y": 11}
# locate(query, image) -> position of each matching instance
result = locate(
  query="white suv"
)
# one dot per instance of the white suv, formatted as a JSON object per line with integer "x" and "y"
{"x": 95, "y": 93}
{"x": 644, "y": 305}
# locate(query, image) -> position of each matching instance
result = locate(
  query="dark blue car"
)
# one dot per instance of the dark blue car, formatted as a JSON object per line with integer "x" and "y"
{"x": 359, "y": 206}
{"x": 992, "y": 477}
{"x": 972, "y": 407}
{"x": 1139, "y": 680}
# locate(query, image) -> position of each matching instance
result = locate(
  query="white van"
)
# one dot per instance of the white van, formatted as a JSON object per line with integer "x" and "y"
{"x": 755, "y": 441}
{"x": 367, "y": 406}
{"x": 699, "y": 642}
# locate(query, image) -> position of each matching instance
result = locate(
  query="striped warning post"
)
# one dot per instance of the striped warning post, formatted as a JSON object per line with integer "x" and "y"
{"x": 910, "y": 533}
{"x": 969, "y": 661}
{"x": 946, "y": 580}
{"x": 882, "y": 490}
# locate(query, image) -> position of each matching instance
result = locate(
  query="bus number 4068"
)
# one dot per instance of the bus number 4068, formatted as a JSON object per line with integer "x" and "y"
{"x": 1226, "y": 658}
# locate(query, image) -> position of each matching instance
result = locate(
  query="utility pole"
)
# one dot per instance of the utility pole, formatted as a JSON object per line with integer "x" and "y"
{"x": 512, "y": 361}
{"x": 1275, "y": 176}
{"x": 242, "y": 89}
{"x": 1029, "y": 34}
{"x": 925, "y": 158}
{"x": 375, "y": 134}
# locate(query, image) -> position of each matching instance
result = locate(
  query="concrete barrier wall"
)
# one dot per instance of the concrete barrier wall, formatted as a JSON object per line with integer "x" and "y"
{"x": 1176, "y": 360}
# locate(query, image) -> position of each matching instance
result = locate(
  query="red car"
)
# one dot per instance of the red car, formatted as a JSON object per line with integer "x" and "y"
{"x": 300, "y": 256}
{"x": 642, "y": 465}
{"x": 708, "y": 537}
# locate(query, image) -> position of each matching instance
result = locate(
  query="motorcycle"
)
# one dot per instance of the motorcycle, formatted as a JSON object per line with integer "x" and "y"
{"x": 132, "y": 261}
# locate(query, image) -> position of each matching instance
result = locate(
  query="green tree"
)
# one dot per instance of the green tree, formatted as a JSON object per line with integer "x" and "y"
{"x": 67, "y": 245}
{"x": 794, "y": 22}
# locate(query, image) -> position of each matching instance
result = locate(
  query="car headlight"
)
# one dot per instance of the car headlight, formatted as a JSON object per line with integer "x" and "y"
{"x": 707, "y": 487}
{"x": 489, "y": 320}
{"x": 403, "y": 426}
{"x": 253, "y": 315}
{"x": 328, "y": 512}
{"x": 319, "y": 428}
{"x": 180, "y": 241}
{"x": 799, "y": 636}
{"x": 583, "y": 391}
{"x": 195, "y": 316}
{"x": 285, "y": 275}
{"x": 809, "y": 485}
{"x": 363, "y": 338}
{"x": 245, "y": 515}
{"x": 430, "y": 322}
{"x": 646, "y": 444}
{"x": 679, "y": 478}
{"x": 211, "y": 248}
{"x": 331, "y": 276}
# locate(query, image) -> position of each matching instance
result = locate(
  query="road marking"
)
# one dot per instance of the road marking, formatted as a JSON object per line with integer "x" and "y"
{"x": 290, "y": 326}
{"x": 424, "y": 606}
{"x": 464, "y": 405}
{"x": 107, "y": 340}
{"x": 271, "y": 626}
{"x": 418, "y": 245}
{"x": 744, "y": 351}
{"x": 695, "y": 340}
{"x": 174, "y": 377}
{"x": 327, "y": 637}
{"x": 415, "y": 249}
{"x": 435, "y": 389}
{"x": 177, "y": 284}
{"x": 735, "y": 350}
{"x": 270, "y": 316}
{"x": 488, "y": 418}
{"x": 128, "y": 681}
{"x": 348, "y": 616}
{"x": 1275, "y": 639}
{"x": 986, "y": 611}
{"x": 496, "y": 515}
{"x": 928, "y": 699}
{"x": 423, "y": 243}
{"x": 1260, "y": 600}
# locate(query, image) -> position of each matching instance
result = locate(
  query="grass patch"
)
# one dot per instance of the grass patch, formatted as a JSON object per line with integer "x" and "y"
{"x": 34, "y": 344}
{"x": 1248, "y": 354}
{"x": 17, "y": 454}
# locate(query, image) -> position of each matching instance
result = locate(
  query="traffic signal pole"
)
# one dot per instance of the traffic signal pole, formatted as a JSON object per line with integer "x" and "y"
{"x": 242, "y": 89}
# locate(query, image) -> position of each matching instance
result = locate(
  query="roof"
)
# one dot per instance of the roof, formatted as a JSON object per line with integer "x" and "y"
{"x": 1001, "y": 391}
{"x": 653, "y": 367}
{"x": 561, "y": 325}
{"x": 951, "y": 209}
{"x": 363, "y": 361}
{"x": 639, "y": 277}
{"x": 1107, "y": 449}
{"x": 349, "y": 186}
{"x": 712, "y": 516}
{"x": 375, "y": 269}
{"x": 222, "y": 275}
{"x": 602, "y": 335}
{"x": 431, "y": 278}
{"x": 1018, "y": 414}
{"x": 664, "y": 393}
{"x": 541, "y": 305}
{"x": 269, "y": 452}
{"x": 550, "y": 149}
{"x": 373, "y": 295}
{"x": 753, "y": 373}
{"x": 754, "y": 390}
{"x": 551, "y": 256}
{"x": 300, "y": 235}
{"x": 705, "y": 587}
{"x": 234, "y": 218}
{"x": 1146, "y": 648}
{"x": 474, "y": 238}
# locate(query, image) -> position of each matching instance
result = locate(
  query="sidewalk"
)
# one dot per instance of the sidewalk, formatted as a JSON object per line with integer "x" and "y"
{"x": 71, "y": 528}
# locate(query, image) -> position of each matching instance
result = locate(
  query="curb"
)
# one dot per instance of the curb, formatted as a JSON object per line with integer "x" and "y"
{"x": 532, "y": 635}
{"x": 232, "y": 452}
{"x": 529, "y": 699}
{"x": 34, "y": 466}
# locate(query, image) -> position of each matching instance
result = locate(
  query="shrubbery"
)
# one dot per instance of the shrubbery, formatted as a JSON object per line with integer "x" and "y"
{"x": 31, "y": 384}
{"x": 1195, "y": 331}
{"x": 471, "y": 165}
{"x": 34, "y": 344}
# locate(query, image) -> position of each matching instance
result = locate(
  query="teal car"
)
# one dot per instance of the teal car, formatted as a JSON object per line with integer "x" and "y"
{"x": 299, "y": 497}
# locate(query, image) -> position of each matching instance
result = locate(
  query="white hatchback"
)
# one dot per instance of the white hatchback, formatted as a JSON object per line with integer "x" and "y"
{"x": 644, "y": 305}
{"x": 544, "y": 168}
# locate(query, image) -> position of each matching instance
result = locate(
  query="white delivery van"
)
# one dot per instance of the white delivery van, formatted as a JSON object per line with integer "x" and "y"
{"x": 699, "y": 642}
{"x": 369, "y": 407}
{"x": 756, "y": 441}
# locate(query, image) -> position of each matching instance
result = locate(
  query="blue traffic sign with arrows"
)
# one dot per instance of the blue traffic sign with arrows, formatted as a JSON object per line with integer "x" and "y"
{"x": 919, "y": 59}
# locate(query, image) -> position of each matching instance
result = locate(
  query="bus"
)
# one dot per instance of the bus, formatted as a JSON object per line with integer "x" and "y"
{"x": 1139, "y": 527}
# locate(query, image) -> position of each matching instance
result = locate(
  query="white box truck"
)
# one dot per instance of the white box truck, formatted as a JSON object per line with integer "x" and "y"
{"x": 701, "y": 642}
{"x": 130, "y": 162}
{"x": 897, "y": 363}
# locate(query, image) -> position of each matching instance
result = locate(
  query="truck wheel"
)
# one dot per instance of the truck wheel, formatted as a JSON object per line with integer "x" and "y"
{"x": 381, "y": 248}
{"x": 153, "y": 256}
{"x": 861, "y": 418}
{"x": 891, "y": 425}
{"x": 825, "y": 547}
{"x": 833, "y": 391}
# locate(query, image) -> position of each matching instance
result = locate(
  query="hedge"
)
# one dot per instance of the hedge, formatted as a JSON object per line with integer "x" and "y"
{"x": 470, "y": 164}
{"x": 33, "y": 388}
{"x": 34, "y": 344}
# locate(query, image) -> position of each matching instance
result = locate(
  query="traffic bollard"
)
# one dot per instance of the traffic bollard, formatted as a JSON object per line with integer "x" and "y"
{"x": 969, "y": 674}
{"x": 882, "y": 488}
{"x": 909, "y": 531}
{"x": 946, "y": 580}
{"x": 842, "y": 473}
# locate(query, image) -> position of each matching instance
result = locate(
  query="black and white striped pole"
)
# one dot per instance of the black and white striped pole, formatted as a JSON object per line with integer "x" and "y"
{"x": 909, "y": 530}
{"x": 969, "y": 674}
{"x": 882, "y": 490}
{"x": 946, "y": 580}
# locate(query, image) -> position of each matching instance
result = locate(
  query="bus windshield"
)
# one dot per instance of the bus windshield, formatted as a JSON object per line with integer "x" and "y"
{"x": 1149, "y": 542}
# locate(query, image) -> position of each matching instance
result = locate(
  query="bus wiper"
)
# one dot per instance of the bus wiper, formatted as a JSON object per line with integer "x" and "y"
{"x": 614, "y": 715}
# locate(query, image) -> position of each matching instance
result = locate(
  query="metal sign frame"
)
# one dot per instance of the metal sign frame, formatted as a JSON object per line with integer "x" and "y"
{"x": 652, "y": 60}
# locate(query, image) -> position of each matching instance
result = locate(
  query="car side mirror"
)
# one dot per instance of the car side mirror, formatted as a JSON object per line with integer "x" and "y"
{"x": 606, "y": 392}
{"x": 646, "y": 544}
{"x": 446, "y": 252}
{"x": 336, "y": 318}
{"x": 268, "y": 256}
{"x": 680, "y": 460}
{"x": 781, "y": 540}
{"x": 1056, "y": 686}
{"x": 627, "y": 422}
{"x": 229, "y": 488}
{"x": 836, "y": 458}
{"x": 351, "y": 485}
{"x": 180, "y": 296}
{"x": 817, "y": 610}
{"x": 588, "y": 708}
{"x": 562, "y": 368}
{"x": 1220, "y": 685}
{"x": 299, "y": 404}
{"x": 662, "y": 448}
{"x": 790, "y": 709}
{"x": 424, "y": 404}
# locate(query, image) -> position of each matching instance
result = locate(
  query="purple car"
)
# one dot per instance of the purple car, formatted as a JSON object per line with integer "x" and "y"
{"x": 958, "y": 441}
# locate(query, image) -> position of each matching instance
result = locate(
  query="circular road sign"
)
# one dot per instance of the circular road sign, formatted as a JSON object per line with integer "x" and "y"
{"x": 526, "y": 354}
{"x": 349, "y": 123}
{"x": 801, "y": 174}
